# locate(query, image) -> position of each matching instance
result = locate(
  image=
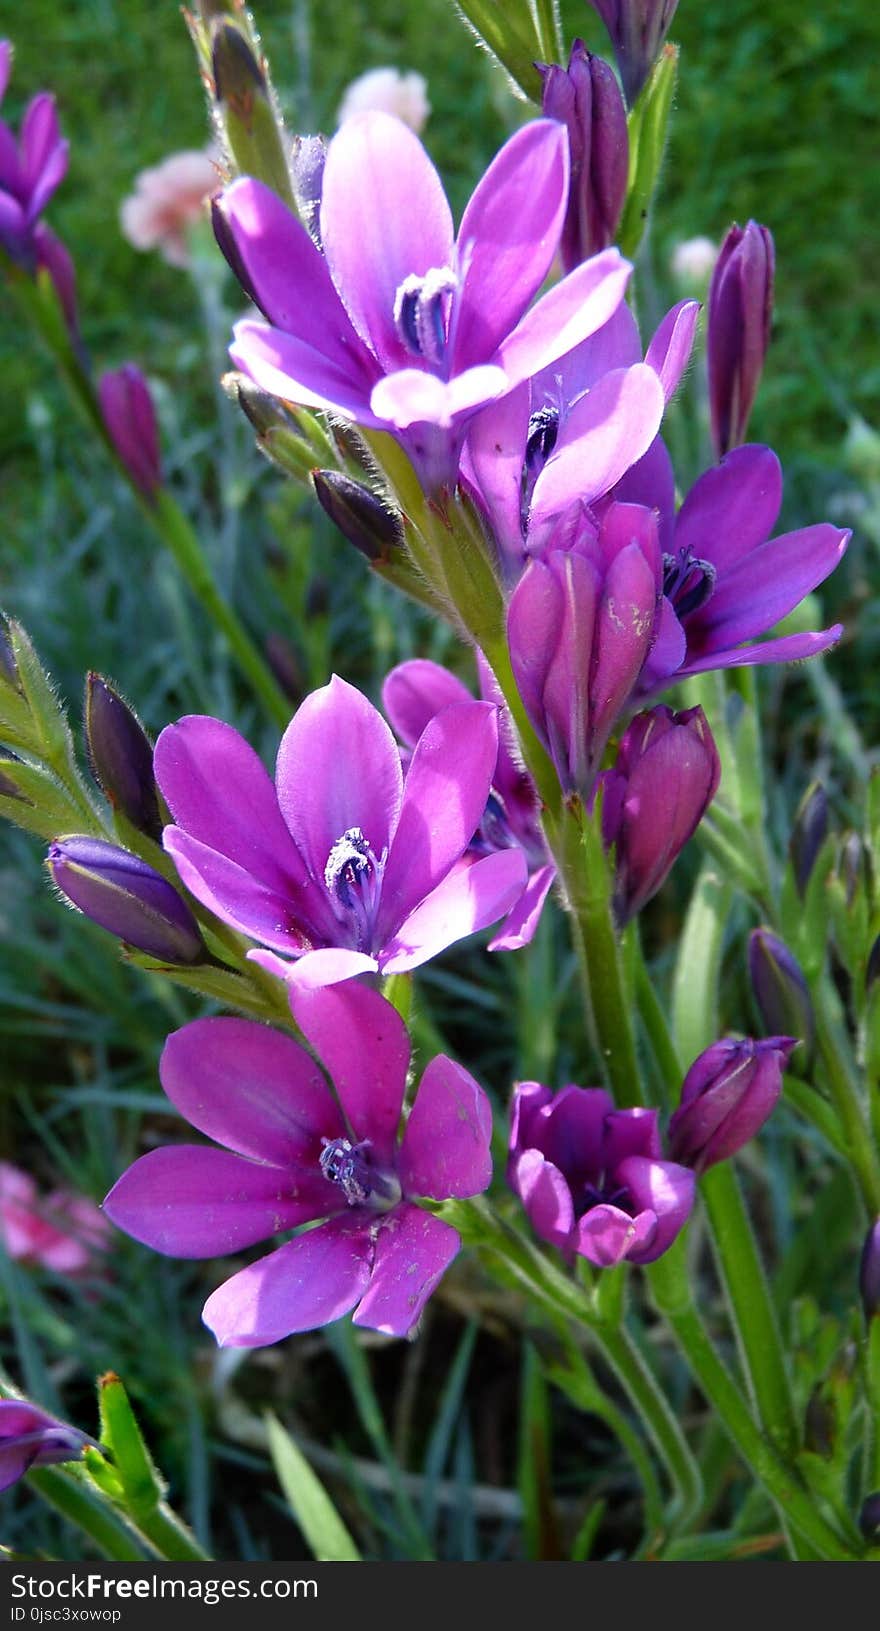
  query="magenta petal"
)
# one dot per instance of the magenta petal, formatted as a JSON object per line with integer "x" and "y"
{"x": 667, "y": 1192}
{"x": 252, "y": 1089}
{"x": 545, "y": 1195}
{"x": 625, "y": 625}
{"x": 651, "y": 481}
{"x": 789, "y": 648}
{"x": 615, "y": 345}
{"x": 493, "y": 461}
{"x": 765, "y": 586}
{"x": 668, "y": 649}
{"x": 607, "y": 431}
{"x": 445, "y": 1148}
{"x": 316, "y": 969}
{"x": 732, "y": 508}
{"x": 508, "y": 237}
{"x": 565, "y": 316}
{"x": 444, "y": 798}
{"x": 308, "y": 1282}
{"x": 606, "y": 1235}
{"x": 384, "y": 218}
{"x": 338, "y": 768}
{"x": 300, "y": 371}
{"x": 412, "y": 397}
{"x": 466, "y": 901}
{"x": 191, "y": 1200}
{"x": 413, "y": 1252}
{"x": 364, "y": 1045}
{"x": 234, "y": 895}
{"x": 415, "y": 691}
{"x": 670, "y": 349}
{"x": 521, "y": 922}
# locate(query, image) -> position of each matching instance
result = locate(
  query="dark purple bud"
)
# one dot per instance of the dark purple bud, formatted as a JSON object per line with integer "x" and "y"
{"x": 587, "y": 100}
{"x": 637, "y": 29}
{"x": 264, "y": 412}
{"x": 869, "y": 1272}
{"x": 307, "y": 173}
{"x": 361, "y": 517}
{"x": 727, "y": 1095}
{"x": 780, "y": 989}
{"x": 9, "y": 674}
{"x": 120, "y": 756}
{"x": 851, "y": 866}
{"x": 238, "y": 77}
{"x": 30, "y": 1438}
{"x": 8, "y": 788}
{"x": 665, "y": 776}
{"x": 869, "y": 1518}
{"x": 808, "y": 834}
{"x": 740, "y": 308}
{"x": 124, "y": 895}
{"x": 130, "y": 419}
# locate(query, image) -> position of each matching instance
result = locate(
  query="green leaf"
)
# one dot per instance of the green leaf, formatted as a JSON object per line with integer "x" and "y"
{"x": 695, "y": 987}
{"x": 317, "y": 1517}
{"x": 540, "y": 1529}
{"x": 508, "y": 32}
{"x": 33, "y": 798}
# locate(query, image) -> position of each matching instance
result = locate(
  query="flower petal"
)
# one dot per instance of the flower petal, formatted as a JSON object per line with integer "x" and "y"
{"x": 545, "y": 1195}
{"x": 235, "y": 895}
{"x": 298, "y": 371}
{"x": 445, "y": 1148}
{"x": 789, "y": 648}
{"x": 308, "y": 1282}
{"x": 606, "y": 1235}
{"x": 191, "y": 1200}
{"x": 415, "y": 691}
{"x": 364, "y": 1046}
{"x": 670, "y": 349}
{"x": 574, "y": 308}
{"x": 732, "y": 508}
{"x": 465, "y": 902}
{"x": 521, "y": 922}
{"x": 668, "y": 1191}
{"x": 252, "y": 1089}
{"x": 607, "y": 431}
{"x": 412, "y": 397}
{"x": 327, "y": 966}
{"x": 765, "y": 586}
{"x": 493, "y": 460}
{"x": 413, "y": 1252}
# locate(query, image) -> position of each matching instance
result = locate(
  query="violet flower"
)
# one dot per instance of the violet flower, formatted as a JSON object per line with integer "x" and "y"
{"x": 654, "y": 797}
{"x": 580, "y": 626}
{"x": 740, "y": 310}
{"x": 593, "y": 1179}
{"x": 30, "y": 171}
{"x": 127, "y": 897}
{"x": 293, "y": 1153}
{"x": 412, "y": 694}
{"x": 399, "y": 325}
{"x": 31, "y": 1438}
{"x": 637, "y": 29}
{"x": 869, "y": 1272}
{"x": 726, "y": 1097}
{"x": 342, "y": 867}
{"x": 130, "y": 418}
{"x": 586, "y": 99}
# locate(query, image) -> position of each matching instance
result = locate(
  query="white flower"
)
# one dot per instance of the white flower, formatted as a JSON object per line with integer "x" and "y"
{"x": 387, "y": 90}
{"x": 692, "y": 263}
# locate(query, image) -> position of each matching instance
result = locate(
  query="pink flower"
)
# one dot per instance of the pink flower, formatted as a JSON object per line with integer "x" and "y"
{"x": 168, "y": 199}
{"x": 61, "y": 1231}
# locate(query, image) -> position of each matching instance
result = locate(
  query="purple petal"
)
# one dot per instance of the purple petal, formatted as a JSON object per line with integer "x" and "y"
{"x": 651, "y": 482}
{"x": 732, "y": 508}
{"x": 465, "y": 902}
{"x": 625, "y": 625}
{"x": 564, "y": 317}
{"x": 316, "y": 969}
{"x": 299, "y": 371}
{"x": 363, "y": 1044}
{"x": 493, "y": 462}
{"x": 606, "y": 1235}
{"x": 445, "y": 1148}
{"x": 384, "y": 218}
{"x": 668, "y": 649}
{"x": 670, "y": 349}
{"x": 789, "y": 648}
{"x": 765, "y": 586}
{"x": 521, "y": 922}
{"x": 412, "y": 397}
{"x": 508, "y": 237}
{"x": 190, "y": 1200}
{"x": 310, "y": 1281}
{"x": 415, "y": 691}
{"x": 570, "y": 1130}
{"x": 545, "y": 1195}
{"x": 607, "y": 431}
{"x": 251, "y": 1089}
{"x": 338, "y": 768}
{"x": 413, "y": 1252}
{"x": 235, "y": 895}
{"x": 615, "y": 345}
{"x": 668, "y": 1191}
{"x": 44, "y": 154}
{"x": 444, "y": 797}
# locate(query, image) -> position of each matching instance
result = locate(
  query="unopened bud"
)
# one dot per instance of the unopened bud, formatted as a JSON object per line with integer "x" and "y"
{"x": 361, "y": 517}
{"x": 727, "y": 1095}
{"x": 120, "y": 756}
{"x": 780, "y": 988}
{"x": 808, "y": 834}
{"x": 869, "y": 1518}
{"x": 869, "y": 1272}
{"x": 740, "y": 309}
{"x": 125, "y": 896}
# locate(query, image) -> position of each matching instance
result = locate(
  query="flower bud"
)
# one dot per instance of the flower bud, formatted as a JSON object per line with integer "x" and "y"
{"x": 120, "y": 756}
{"x": 664, "y": 777}
{"x": 740, "y": 308}
{"x": 637, "y": 29}
{"x": 307, "y": 158}
{"x": 726, "y": 1097}
{"x": 130, "y": 419}
{"x": 9, "y": 674}
{"x": 780, "y": 988}
{"x": 124, "y": 895}
{"x": 246, "y": 108}
{"x": 808, "y": 834}
{"x": 851, "y": 866}
{"x": 361, "y": 517}
{"x": 30, "y": 1438}
{"x": 869, "y": 1518}
{"x": 869, "y": 1272}
{"x": 586, "y": 99}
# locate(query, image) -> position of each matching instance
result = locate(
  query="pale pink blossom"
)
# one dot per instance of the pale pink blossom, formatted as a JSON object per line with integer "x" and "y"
{"x": 167, "y": 200}
{"x": 387, "y": 90}
{"x": 61, "y": 1231}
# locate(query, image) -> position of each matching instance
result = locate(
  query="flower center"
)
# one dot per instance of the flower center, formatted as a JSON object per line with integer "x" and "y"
{"x": 540, "y": 442}
{"x": 687, "y": 581}
{"x": 605, "y": 1193}
{"x": 362, "y": 1184}
{"x": 421, "y": 313}
{"x": 353, "y": 876}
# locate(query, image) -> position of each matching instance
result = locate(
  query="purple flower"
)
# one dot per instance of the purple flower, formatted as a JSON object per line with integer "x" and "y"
{"x": 869, "y": 1272}
{"x": 654, "y": 797}
{"x": 726, "y": 1097}
{"x": 130, "y": 419}
{"x": 545, "y": 459}
{"x": 586, "y": 99}
{"x": 293, "y": 1153}
{"x": 593, "y": 1179}
{"x": 399, "y": 325}
{"x": 726, "y": 582}
{"x": 342, "y": 867}
{"x": 30, "y": 1438}
{"x": 637, "y": 29}
{"x": 413, "y": 693}
{"x": 580, "y": 626}
{"x": 30, "y": 168}
{"x": 780, "y": 987}
{"x": 740, "y": 309}
{"x": 126, "y": 896}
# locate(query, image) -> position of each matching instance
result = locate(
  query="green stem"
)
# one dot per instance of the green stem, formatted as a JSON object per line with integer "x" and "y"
{"x": 170, "y": 1536}
{"x": 844, "y": 1091}
{"x": 584, "y": 1391}
{"x": 88, "y": 1511}
{"x": 652, "y": 1405}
